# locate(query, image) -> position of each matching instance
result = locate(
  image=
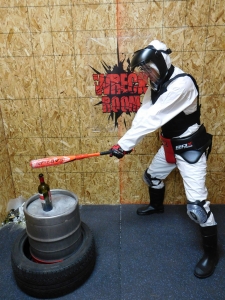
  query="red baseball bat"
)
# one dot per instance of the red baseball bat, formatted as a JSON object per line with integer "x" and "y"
{"x": 59, "y": 160}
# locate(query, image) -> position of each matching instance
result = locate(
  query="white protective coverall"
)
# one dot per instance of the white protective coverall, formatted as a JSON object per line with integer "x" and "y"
{"x": 181, "y": 95}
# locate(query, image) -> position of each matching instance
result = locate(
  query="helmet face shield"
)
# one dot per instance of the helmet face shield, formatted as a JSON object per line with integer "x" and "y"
{"x": 145, "y": 57}
{"x": 145, "y": 72}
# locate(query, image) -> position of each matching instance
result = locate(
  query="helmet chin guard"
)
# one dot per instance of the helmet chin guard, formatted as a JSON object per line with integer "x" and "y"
{"x": 151, "y": 55}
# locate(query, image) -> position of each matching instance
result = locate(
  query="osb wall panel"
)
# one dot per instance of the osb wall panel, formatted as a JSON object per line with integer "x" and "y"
{"x": 6, "y": 182}
{"x": 49, "y": 51}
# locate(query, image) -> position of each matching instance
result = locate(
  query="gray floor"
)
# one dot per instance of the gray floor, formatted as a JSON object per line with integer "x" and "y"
{"x": 150, "y": 257}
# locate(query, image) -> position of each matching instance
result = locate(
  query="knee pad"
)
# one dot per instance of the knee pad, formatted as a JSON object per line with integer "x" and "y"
{"x": 197, "y": 212}
{"x": 152, "y": 181}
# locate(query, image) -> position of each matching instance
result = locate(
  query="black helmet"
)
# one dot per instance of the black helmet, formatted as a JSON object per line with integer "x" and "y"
{"x": 150, "y": 55}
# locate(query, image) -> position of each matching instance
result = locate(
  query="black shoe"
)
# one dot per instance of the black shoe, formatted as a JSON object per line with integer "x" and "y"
{"x": 156, "y": 202}
{"x": 149, "y": 210}
{"x": 206, "y": 266}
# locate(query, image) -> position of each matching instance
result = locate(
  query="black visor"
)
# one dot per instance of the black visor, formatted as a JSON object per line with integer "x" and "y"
{"x": 150, "y": 54}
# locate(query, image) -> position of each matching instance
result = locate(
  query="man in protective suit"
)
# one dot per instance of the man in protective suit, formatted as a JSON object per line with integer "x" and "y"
{"x": 172, "y": 103}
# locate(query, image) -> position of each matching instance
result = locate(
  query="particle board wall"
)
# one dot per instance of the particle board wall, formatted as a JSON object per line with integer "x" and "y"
{"x": 48, "y": 53}
{"x": 6, "y": 182}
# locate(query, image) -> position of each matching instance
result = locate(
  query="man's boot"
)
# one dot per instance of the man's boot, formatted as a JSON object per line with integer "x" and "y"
{"x": 156, "y": 202}
{"x": 206, "y": 266}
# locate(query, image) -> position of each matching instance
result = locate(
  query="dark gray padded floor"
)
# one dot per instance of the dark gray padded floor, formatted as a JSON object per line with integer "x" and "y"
{"x": 138, "y": 258}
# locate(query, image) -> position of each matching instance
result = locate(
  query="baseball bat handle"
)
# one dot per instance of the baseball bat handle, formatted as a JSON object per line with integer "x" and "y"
{"x": 106, "y": 152}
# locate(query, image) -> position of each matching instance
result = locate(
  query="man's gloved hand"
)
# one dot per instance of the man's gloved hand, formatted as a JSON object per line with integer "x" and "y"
{"x": 117, "y": 151}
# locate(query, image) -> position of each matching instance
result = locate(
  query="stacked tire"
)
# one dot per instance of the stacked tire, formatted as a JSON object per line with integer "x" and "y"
{"x": 52, "y": 280}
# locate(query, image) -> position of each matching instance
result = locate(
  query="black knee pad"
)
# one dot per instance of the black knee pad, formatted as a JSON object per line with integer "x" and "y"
{"x": 151, "y": 181}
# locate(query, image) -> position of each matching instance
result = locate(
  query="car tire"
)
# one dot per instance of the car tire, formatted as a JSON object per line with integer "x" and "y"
{"x": 57, "y": 279}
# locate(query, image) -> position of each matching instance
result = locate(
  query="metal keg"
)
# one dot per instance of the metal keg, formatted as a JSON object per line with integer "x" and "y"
{"x": 55, "y": 234}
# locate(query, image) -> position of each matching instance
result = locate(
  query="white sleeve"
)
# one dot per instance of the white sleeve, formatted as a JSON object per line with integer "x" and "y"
{"x": 180, "y": 94}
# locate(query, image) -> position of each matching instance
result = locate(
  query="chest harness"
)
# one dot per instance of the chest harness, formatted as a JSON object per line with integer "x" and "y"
{"x": 191, "y": 147}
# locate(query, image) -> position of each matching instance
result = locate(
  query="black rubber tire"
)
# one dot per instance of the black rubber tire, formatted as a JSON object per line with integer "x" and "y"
{"x": 52, "y": 280}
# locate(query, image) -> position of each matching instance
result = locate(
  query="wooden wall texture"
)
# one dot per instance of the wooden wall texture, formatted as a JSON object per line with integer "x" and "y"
{"x": 48, "y": 100}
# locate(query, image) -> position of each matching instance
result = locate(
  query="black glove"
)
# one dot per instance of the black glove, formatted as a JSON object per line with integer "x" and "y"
{"x": 117, "y": 151}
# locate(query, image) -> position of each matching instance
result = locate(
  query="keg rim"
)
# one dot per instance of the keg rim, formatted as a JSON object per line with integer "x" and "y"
{"x": 53, "y": 192}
